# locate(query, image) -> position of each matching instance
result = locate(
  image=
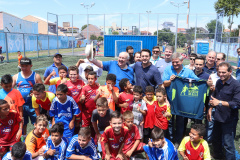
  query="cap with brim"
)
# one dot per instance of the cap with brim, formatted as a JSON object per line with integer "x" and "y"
{"x": 89, "y": 68}
{"x": 25, "y": 61}
{"x": 57, "y": 54}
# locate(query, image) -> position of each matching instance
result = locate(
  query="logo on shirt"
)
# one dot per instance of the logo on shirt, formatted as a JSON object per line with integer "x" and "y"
{"x": 111, "y": 139}
{"x": 201, "y": 154}
{"x": 68, "y": 109}
{"x": 121, "y": 139}
{"x": 89, "y": 91}
{"x": 10, "y": 122}
{"x": 190, "y": 92}
{"x": 188, "y": 152}
{"x": 70, "y": 87}
{"x": 79, "y": 87}
{"x": 6, "y": 130}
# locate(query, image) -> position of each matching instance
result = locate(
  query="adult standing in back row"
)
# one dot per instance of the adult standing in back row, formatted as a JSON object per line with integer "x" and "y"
{"x": 146, "y": 73}
{"x": 120, "y": 68}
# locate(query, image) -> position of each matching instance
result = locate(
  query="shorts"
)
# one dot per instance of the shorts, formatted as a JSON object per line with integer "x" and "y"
{"x": 147, "y": 134}
{"x": 45, "y": 112}
{"x": 28, "y": 111}
{"x": 139, "y": 149}
{"x": 99, "y": 144}
{"x": 140, "y": 128}
{"x": 86, "y": 120}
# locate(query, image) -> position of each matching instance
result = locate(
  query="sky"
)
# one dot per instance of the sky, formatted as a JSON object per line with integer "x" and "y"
{"x": 111, "y": 8}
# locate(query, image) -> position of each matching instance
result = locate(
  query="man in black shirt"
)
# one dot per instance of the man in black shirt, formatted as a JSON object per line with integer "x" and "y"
{"x": 129, "y": 50}
{"x": 226, "y": 100}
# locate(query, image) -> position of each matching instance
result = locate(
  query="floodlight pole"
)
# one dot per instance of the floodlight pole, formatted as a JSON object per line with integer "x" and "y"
{"x": 87, "y": 7}
{"x": 148, "y": 12}
{"x": 177, "y": 5}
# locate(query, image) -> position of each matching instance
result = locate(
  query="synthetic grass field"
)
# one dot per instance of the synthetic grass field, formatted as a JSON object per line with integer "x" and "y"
{"x": 40, "y": 64}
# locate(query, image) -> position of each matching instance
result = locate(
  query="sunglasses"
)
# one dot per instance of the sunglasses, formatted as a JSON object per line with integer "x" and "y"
{"x": 238, "y": 52}
{"x": 155, "y": 51}
{"x": 218, "y": 59}
{"x": 192, "y": 58}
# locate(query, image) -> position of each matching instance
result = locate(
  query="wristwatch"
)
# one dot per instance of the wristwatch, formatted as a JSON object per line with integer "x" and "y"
{"x": 220, "y": 103}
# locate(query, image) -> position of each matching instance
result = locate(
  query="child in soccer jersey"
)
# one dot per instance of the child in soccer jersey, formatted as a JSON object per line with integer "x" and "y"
{"x": 10, "y": 127}
{"x": 133, "y": 144}
{"x": 62, "y": 79}
{"x": 159, "y": 147}
{"x": 56, "y": 144}
{"x": 82, "y": 146}
{"x": 42, "y": 98}
{"x": 87, "y": 99}
{"x": 64, "y": 109}
{"x": 19, "y": 152}
{"x": 125, "y": 99}
{"x": 109, "y": 91}
{"x": 36, "y": 139}
{"x": 194, "y": 146}
{"x": 149, "y": 119}
{"x": 100, "y": 119}
{"x": 75, "y": 86}
{"x": 139, "y": 109}
{"x": 114, "y": 138}
{"x": 162, "y": 110}
{"x": 11, "y": 95}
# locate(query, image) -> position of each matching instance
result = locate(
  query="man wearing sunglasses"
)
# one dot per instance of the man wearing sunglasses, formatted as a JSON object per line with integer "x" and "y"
{"x": 155, "y": 55}
{"x": 192, "y": 58}
{"x": 238, "y": 66}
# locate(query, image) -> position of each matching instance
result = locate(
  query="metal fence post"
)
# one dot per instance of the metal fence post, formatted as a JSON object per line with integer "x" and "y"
{"x": 24, "y": 46}
{"x": 57, "y": 34}
{"x": 195, "y": 36}
{"x": 176, "y": 34}
{"x": 121, "y": 25}
{"x": 215, "y": 36}
{"x": 37, "y": 47}
{"x": 6, "y": 39}
{"x": 104, "y": 25}
{"x": 48, "y": 34}
{"x": 72, "y": 35}
{"x": 157, "y": 27}
{"x": 139, "y": 25}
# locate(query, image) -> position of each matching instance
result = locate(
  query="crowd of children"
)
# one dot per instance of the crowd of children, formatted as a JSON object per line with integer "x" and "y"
{"x": 87, "y": 121}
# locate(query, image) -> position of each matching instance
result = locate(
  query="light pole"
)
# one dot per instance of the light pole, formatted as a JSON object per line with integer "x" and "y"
{"x": 148, "y": 12}
{"x": 87, "y": 7}
{"x": 177, "y": 5}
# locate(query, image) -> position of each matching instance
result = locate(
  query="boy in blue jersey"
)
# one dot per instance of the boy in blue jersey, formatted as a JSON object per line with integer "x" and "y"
{"x": 18, "y": 152}
{"x": 64, "y": 109}
{"x": 56, "y": 144}
{"x": 159, "y": 147}
{"x": 24, "y": 81}
{"x": 82, "y": 146}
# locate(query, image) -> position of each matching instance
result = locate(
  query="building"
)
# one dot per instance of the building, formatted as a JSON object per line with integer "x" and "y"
{"x": 146, "y": 33}
{"x": 43, "y": 25}
{"x": 168, "y": 25}
{"x": 11, "y": 23}
{"x": 92, "y": 30}
{"x": 115, "y": 28}
{"x": 181, "y": 30}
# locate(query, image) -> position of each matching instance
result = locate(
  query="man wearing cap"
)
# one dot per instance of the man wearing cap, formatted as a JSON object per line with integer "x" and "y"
{"x": 57, "y": 61}
{"x": 82, "y": 65}
{"x": 120, "y": 68}
{"x": 25, "y": 81}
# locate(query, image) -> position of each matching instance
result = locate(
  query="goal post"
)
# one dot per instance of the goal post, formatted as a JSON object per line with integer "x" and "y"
{"x": 121, "y": 45}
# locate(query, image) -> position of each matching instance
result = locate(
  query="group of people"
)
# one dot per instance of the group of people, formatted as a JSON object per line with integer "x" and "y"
{"x": 128, "y": 115}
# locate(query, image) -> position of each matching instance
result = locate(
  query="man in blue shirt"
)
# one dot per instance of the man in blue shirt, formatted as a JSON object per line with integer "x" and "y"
{"x": 120, "y": 68}
{"x": 238, "y": 66}
{"x": 210, "y": 66}
{"x": 156, "y": 53}
{"x": 170, "y": 73}
{"x": 57, "y": 59}
{"x": 225, "y": 100}
{"x": 146, "y": 73}
{"x": 167, "y": 61}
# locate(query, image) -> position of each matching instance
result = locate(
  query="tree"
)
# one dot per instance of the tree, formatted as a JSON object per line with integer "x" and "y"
{"x": 165, "y": 35}
{"x": 229, "y": 8}
{"x": 84, "y": 26}
{"x": 100, "y": 38}
{"x": 211, "y": 28}
{"x": 115, "y": 33}
{"x": 93, "y": 37}
{"x": 181, "y": 39}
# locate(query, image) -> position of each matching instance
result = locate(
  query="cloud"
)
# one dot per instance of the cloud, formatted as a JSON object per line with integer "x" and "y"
{"x": 59, "y": 3}
{"x": 161, "y": 4}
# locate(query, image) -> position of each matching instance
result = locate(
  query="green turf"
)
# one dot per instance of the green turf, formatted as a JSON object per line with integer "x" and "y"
{"x": 40, "y": 64}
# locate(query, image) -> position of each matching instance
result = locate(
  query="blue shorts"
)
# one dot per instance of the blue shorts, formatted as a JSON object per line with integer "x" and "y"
{"x": 28, "y": 111}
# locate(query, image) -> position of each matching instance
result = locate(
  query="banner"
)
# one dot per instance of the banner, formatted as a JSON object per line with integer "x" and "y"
{"x": 188, "y": 98}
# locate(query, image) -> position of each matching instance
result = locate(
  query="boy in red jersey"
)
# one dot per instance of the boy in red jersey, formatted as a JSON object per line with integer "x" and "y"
{"x": 87, "y": 99}
{"x": 42, "y": 98}
{"x": 113, "y": 138}
{"x": 62, "y": 79}
{"x": 11, "y": 95}
{"x": 74, "y": 90}
{"x": 10, "y": 127}
{"x": 109, "y": 91}
{"x": 149, "y": 119}
{"x": 133, "y": 144}
{"x": 194, "y": 146}
{"x": 162, "y": 111}
{"x": 125, "y": 98}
